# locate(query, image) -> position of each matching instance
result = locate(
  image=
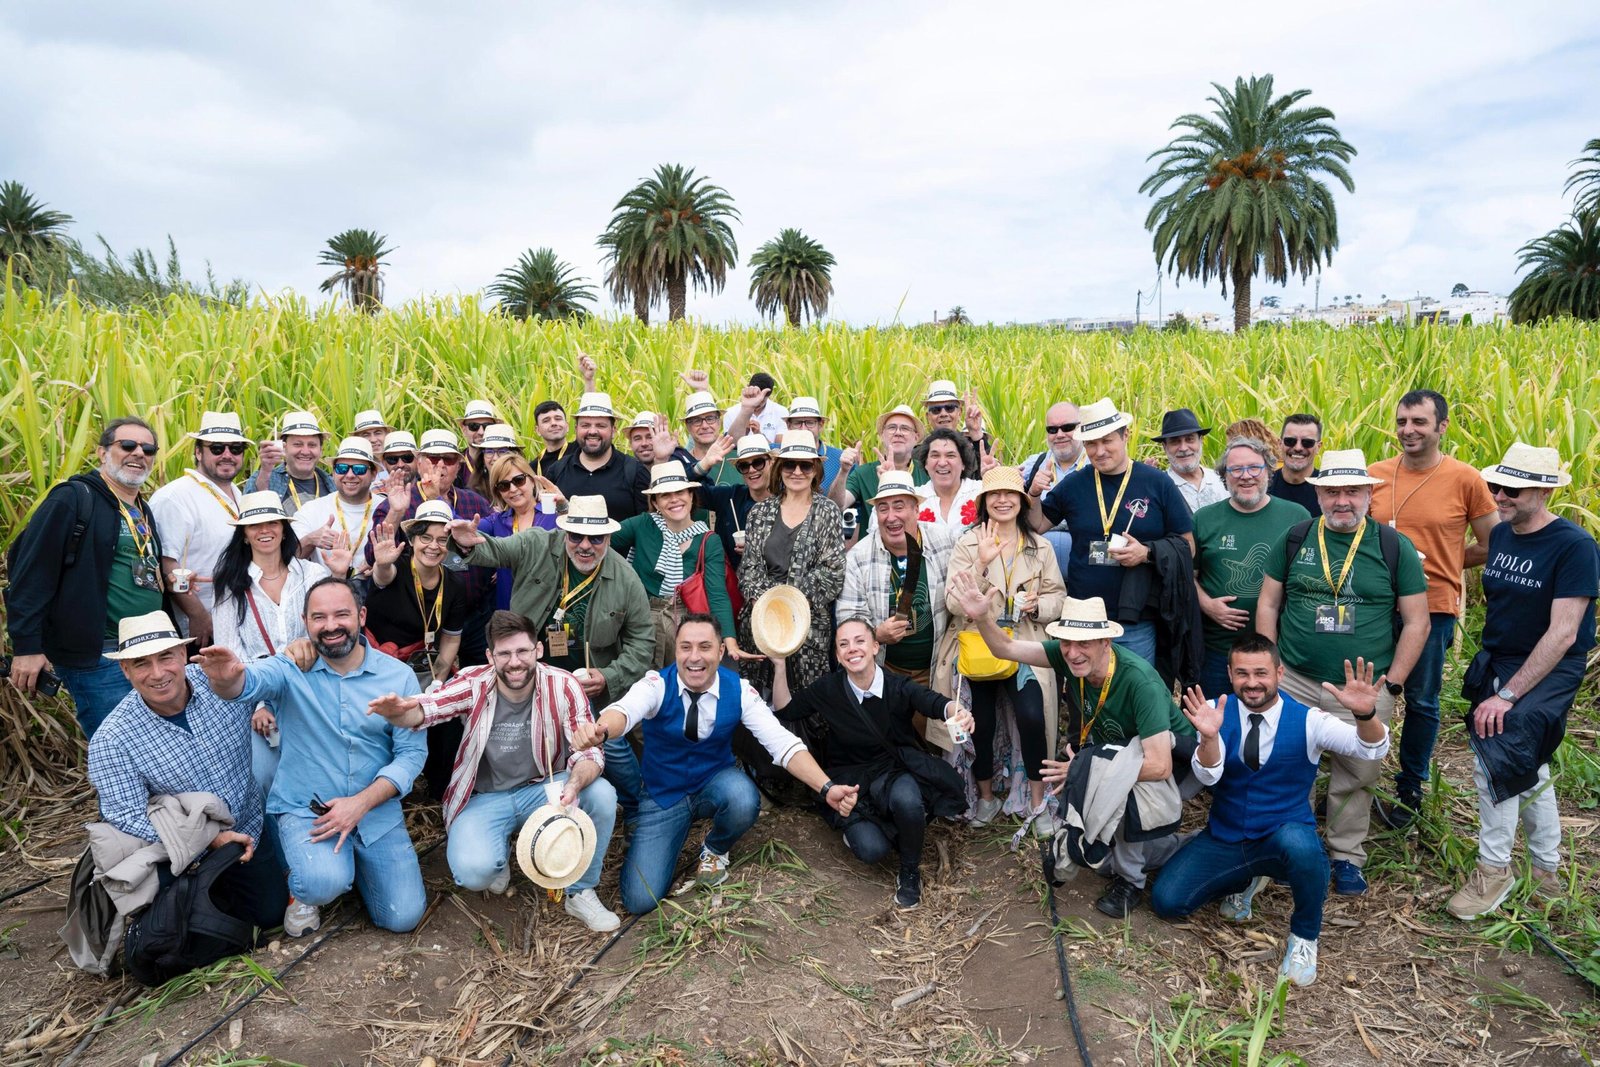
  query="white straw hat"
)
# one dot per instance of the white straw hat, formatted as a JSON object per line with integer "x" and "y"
{"x": 438, "y": 443}
{"x": 399, "y": 441}
{"x": 1101, "y": 418}
{"x": 1529, "y": 468}
{"x": 479, "y": 410}
{"x": 219, "y": 426}
{"x": 1083, "y": 620}
{"x": 669, "y": 477}
{"x": 556, "y": 845}
{"x": 752, "y": 445}
{"x": 798, "y": 445}
{"x": 428, "y": 513}
{"x": 371, "y": 419}
{"x": 645, "y": 420}
{"x": 301, "y": 424}
{"x": 255, "y": 508}
{"x": 804, "y": 407}
{"x": 894, "y": 483}
{"x": 941, "y": 391}
{"x": 700, "y": 403}
{"x": 139, "y": 636}
{"x": 587, "y": 515}
{"x": 900, "y": 409}
{"x": 595, "y": 405}
{"x": 356, "y": 448}
{"x": 780, "y": 621}
{"x": 499, "y": 435}
{"x": 1343, "y": 467}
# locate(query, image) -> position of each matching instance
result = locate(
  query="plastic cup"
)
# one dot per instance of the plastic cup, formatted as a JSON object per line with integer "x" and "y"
{"x": 738, "y": 540}
{"x": 180, "y": 579}
{"x": 1118, "y": 541}
{"x": 547, "y": 504}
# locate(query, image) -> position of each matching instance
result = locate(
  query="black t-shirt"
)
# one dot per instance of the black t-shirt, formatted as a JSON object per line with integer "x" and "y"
{"x": 1525, "y": 573}
{"x": 1304, "y": 493}
{"x": 394, "y": 617}
{"x": 622, "y": 481}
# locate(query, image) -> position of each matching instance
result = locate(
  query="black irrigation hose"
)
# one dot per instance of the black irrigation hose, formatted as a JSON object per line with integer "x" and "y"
{"x": 577, "y": 976}
{"x": 1565, "y": 959}
{"x": 1061, "y": 958}
{"x": 30, "y": 887}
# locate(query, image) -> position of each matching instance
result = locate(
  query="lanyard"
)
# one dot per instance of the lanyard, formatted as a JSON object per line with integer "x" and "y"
{"x": 296, "y": 493}
{"x": 570, "y": 598}
{"x": 1349, "y": 557}
{"x": 361, "y": 531}
{"x": 1108, "y": 516}
{"x": 1005, "y": 574}
{"x": 428, "y": 631}
{"x": 1083, "y": 703}
{"x": 222, "y": 501}
{"x": 139, "y": 530}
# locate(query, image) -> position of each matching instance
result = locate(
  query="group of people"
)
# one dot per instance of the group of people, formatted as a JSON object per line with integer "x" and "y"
{"x": 569, "y": 640}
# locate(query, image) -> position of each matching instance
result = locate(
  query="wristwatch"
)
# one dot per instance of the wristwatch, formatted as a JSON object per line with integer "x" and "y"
{"x": 1395, "y": 688}
{"x": 823, "y": 790}
{"x": 1505, "y": 693}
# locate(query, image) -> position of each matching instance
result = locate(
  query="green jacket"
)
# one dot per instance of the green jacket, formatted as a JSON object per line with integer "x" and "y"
{"x": 617, "y": 624}
{"x": 641, "y": 534}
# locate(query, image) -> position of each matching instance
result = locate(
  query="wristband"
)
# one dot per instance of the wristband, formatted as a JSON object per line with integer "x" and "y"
{"x": 1368, "y": 717}
{"x": 823, "y": 791}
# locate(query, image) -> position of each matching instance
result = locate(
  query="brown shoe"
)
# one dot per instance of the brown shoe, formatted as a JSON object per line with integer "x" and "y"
{"x": 1547, "y": 885}
{"x": 1486, "y": 890}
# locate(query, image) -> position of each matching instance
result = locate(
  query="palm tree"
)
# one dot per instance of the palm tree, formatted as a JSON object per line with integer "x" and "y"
{"x": 794, "y": 273}
{"x": 28, "y": 229}
{"x": 957, "y": 317}
{"x": 1566, "y": 273}
{"x": 670, "y": 229}
{"x": 1238, "y": 191}
{"x": 359, "y": 256}
{"x": 1585, "y": 178}
{"x": 542, "y": 286}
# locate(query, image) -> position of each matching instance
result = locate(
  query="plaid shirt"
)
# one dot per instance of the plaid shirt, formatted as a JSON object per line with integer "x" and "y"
{"x": 137, "y": 755}
{"x": 558, "y": 701}
{"x": 867, "y": 589}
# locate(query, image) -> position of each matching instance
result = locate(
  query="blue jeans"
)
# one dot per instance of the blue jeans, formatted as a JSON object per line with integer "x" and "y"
{"x": 622, "y": 771}
{"x": 263, "y": 762}
{"x": 95, "y": 691}
{"x": 1420, "y": 726}
{"x": 730, "y": 800}
{"x": 1205, "y": 869}
{"x": 1138, "y": 638}
{"x": 1214, "y": 679}
{"x": 478, "y": 847}
{"x": 1061, "y": 541}
{"x": 386, "y": 871}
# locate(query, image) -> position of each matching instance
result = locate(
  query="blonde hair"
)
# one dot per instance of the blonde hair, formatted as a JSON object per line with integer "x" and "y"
{"x": 504, "y": 467}
{"x": 1261, "y": 432}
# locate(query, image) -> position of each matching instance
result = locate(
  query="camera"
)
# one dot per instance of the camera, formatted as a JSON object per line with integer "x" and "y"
{"x": 48, "y": 684}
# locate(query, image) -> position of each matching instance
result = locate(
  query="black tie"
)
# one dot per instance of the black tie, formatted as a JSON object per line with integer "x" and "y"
{"x": 1252, "y": 743}
{"x": 691, "y": 718}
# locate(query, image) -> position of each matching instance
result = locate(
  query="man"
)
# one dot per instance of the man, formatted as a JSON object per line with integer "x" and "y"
{"x": 702, "y": 419}
{"x": 370, "y": 424}
{"x": 856, "y": 483}
{"x": 478, "y": 417}
{"x": 521, "y": 718}
{"x": 1116, "y": 509}
{"x": 1302, "y": 440}
{"x": 437, "y": 463}
{"x": 943, "y": 406}
{"x": 341, "y": 773}
{"x": 1333, "y": 597}
{"x": 1114, "y": 697}
{"x": 641, "y": 433}
{"x": 755, "y": 403}
{"x": 1231, "y": 541}
{"x": 805, "y": 413}
{"x": 1435, "y": 500}
{"x": 195, "y": 514}
{"x": 89, "y": 558}
{"x": 550, "y": 420}
{"x": 399, "y": 457}
{"x": 597, "y": 468}
{"x": 173, "y": 734}
{"x": 1539, "y": 588}
{"x": 1261, "y": 825}
{"x": 342, "y": 519}
{"x": 1181, "y": 438}
{"x": 1061, "y": 456}
{"x": 688, "y": 712}
{"x": 907, "y": 622}
{"x": 289, "y": 465}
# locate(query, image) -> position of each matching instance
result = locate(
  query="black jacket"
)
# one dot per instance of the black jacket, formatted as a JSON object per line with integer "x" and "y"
{"x": 1534, "y": 728}
{"x": 1165, "y": 586}
{"x": 61, "y": 611}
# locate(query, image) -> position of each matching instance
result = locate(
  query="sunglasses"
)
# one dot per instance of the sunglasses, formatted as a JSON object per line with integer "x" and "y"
{"x": 1510, "y": 492}
{"x": 476, "y": 427}
{"x": 358, "y": 469}
{"x": 746, "y": 466}
{"x": 789, "y": 466}
{"x": 516, "y": 481}
{"x": 449, "y": 461}
{"x": 1065, "y": 427}
{"x": 1307, "y": 443}
{"x": 233, "y": 449}
{"x": 392, "y": 458}
{"x": 593, "y": 539}
{"x": 138, "y": 446}
{"x": 942, "y": 409}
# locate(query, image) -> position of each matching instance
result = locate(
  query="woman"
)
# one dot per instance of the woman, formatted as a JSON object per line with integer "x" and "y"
{"x": 794, "y": 537}
{"x": 498, "y": 442}
{"x": 514, "y": 490}
{"x": 261, "y": 584}
{"x": 950, "y": 500}
{"x": 873, "y": 744}
{"x": 1002, "y": 552}
{"x": 731, "y": 504}
{"x": 666, "y": 546}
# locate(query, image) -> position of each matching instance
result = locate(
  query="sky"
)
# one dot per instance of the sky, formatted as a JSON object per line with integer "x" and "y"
{"x": 982, "y": 155}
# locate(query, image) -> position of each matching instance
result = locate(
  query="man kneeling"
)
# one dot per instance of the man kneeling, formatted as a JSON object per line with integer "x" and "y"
{"x": 521, "y": 718}
{"x": 688, "y": 712}
{"x": 1261, "y": 773}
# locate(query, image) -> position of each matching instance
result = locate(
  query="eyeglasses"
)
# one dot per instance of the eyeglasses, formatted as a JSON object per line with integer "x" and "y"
{"x": 1250, "y": 470}
{"x": 138, "y": 446}
{"x": 709, "y": 418}
{"x": 427, "y": 540}
{"x": 516, "y": 481}
{"x": 1510, "y": 492}
{"x": 593, "y": 539}
{"x": 1065, "y": 427}
{"x": 746, "y": 466}
{"x": 449, "y": 461}
{"x": 236, "y": 449}
{"x": 476, "y": 427}
{"x": 943, "y": 409}
{"x": 392, "y": 458}
{"x": 789, "y": 466}
{"x": 1307, "y": 443}
{"x": 358, "y": 469}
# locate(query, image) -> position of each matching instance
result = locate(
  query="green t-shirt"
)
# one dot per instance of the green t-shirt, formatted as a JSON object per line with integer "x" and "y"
{"x": 1137, "y": 705}
{"x": 863, "y": 485}
{"x": 577, "y": 612}
{"x": 124, "y": 599}
{"x": 1230, "y": 555}
{"x": 915, "y": 651}
{"x": 1367, "y": 591}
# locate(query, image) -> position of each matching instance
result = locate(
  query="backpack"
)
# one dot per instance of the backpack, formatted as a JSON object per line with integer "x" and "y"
{"x": 83, "y": 507}
{"x": 183, "y": 928}
{"x": 1388, "y": 544}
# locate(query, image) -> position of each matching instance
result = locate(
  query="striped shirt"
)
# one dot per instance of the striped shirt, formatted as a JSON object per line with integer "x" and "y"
{"x": 670, "y": 563}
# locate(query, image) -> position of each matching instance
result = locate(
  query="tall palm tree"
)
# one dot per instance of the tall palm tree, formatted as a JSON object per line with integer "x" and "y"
{"x": 1585, "y": 178}
{"x": 28, "y": 229}
{"x": 794, "y": 273}
{"x": 359, "y": 256}
{"x": 670, "y": 229}
{"x": 1238, "y": 192}
{"x": 1566, "y": 273}
{"x": 543, "y": 287}
{"x": 957, "y": 317}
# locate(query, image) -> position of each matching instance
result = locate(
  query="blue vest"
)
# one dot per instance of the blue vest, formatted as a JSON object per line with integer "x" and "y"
{"x": 673, "y": 766}
{"x": 1247, "y": 805}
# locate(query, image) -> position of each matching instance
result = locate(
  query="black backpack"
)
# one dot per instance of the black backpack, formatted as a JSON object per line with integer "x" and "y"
{"x": 183, "y": 928}
{"x": 83, "y": 508}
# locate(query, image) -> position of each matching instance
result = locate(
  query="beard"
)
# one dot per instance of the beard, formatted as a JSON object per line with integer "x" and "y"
{"x": 131, "y": 479}
{"x": 335, "y": 644}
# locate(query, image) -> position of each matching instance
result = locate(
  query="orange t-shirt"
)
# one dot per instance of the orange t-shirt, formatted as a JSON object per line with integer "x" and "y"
{"x": 1434, "y": 509}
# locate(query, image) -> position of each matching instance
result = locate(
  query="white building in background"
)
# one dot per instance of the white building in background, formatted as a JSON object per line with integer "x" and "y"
{"x": 1478, "y": 307}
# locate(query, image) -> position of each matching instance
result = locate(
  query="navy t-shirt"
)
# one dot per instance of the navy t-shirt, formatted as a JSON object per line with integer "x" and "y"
{"x": 1525, "y": 574}
{"x": 1304, "y": 493}
{"x": 1151, "y": 508}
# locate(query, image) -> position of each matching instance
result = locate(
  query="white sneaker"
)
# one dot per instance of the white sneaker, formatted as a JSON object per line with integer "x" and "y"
{"x": 1046, "y": 825}
{"x": 502, "y": 881}
{"x": 585, "y": 906}
{"x": 713, "y": 868}
{"x": 1235, "y": 907}
{"x": 984, "y": 811}
{"x": 299, "y": 918}
{"x": 1300, "y": 961}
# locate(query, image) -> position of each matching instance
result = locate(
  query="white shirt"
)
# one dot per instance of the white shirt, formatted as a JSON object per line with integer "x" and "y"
{"x": 357, "y": 521}
{"x": 1209, "y": 491}
{"x": 772, "y": 419}
{"x": 1324, "y": 733}
{"x": 643, "y": 701}
{"x": 195, "y": 526}
{"x": 929, "y": 513}
{"x": 284, "y": 621}
{"x": 874, "y": 688}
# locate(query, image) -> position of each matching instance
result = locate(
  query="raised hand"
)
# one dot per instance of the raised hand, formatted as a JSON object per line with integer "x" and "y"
{"x": 1205, "y": 715}
{"x": 270, "y": 453}
{"x": 698, "y": 381}
{"x": 398, "y": 494}
{"x": 753, "y": 397}
{"x": 662, "y": 440}
{"x": 222, "y": 668}
{"x": 386, "y": 550}
{"x": 464, "y": 532}
{"x": 989, "y": 545}
{"x": 974, "y": 413}
{"x": 739, "y": 655}
{"x": 885, "y": 460}
{"x": 431, "y": 483}
{"x": 338, "y": 555}
{"x": 586, "y": 370}
{"x": 548, "y": 488}
{"x": 987, "y": 461}
{"x": 719, "y": 450}
{"x": 974, "y": 601}
{"x": 849, "y": 458}
{"x": 1359, "y": 694}
{"x": 402, "y": 711}
{"x": 1043, "y": 480}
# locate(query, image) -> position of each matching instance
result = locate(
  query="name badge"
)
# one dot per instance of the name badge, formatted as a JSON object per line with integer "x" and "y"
{"x": 1336, "y": 619}
{"x": 1100, "y": 554}
{"x": 145, "y": 574}
{"x": 556, "y": 642}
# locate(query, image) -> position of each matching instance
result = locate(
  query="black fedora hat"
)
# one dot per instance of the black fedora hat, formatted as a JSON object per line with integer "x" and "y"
{"x": 1179, "y": 423}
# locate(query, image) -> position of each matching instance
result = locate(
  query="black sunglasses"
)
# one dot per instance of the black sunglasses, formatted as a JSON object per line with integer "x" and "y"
{"x": 138, "y": 446}
{"x": 804, "y": 465}
{"x": 477, "y": 427}
{"x": 1065, "y": 427}
{"x": 1307, "y": 443}
{"x": 1510, "y": 492}
{"x": 593, "y": 539}
{"x": 392, "y": 458}
{"x": 358, "y": 469}
{"x": 236, "y": 449}
{"x": 943, "y": 409}
{"x": 516, "y": 481}
{"x": 746, "y": 466}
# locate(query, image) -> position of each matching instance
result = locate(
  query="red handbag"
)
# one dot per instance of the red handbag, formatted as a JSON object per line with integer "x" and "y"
{"x": 692, "y": 590}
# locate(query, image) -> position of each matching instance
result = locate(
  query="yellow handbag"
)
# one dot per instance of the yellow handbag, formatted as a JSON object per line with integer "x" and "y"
{"x": 977, "y": 663}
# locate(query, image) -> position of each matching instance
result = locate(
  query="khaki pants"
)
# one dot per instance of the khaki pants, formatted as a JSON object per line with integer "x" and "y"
{"x": 1349, "y": 780}
{"x": 664, "y": 614}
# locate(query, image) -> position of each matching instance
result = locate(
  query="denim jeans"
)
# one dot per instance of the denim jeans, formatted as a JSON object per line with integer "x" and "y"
{"x": 1206, "y": 869}
{"x": 622, "y": 771}
{"x": 95, "y": 691}
{"x": 1138, "y": 638}
{"x": 730, "y": 800}
{"x": 478, "y": 847}
{"x": 386, "y": 871}
{"x": 1214, "y": 680}
{"x": 263, "y": 762}
{"x": 1419, "y": 728}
